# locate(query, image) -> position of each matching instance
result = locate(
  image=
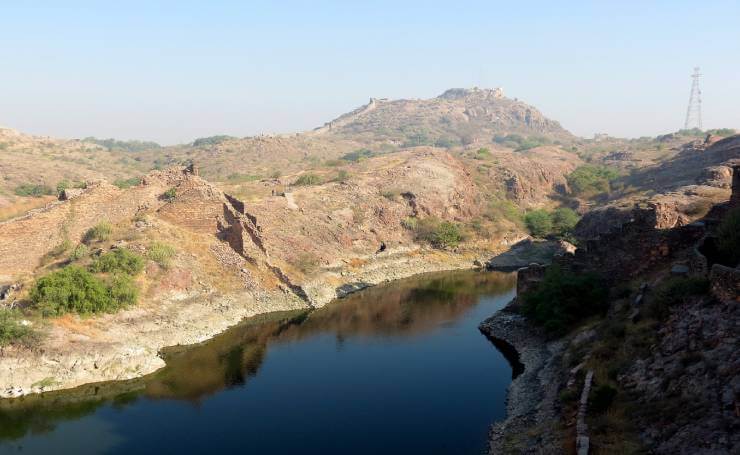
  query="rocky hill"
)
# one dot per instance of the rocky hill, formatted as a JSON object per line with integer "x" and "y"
{"x": 681, "y": 188}
{"x": 458, "y": 116}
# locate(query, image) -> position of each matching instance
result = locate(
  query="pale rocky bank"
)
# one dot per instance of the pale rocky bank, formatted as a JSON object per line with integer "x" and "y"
{"x": 234, "y": 259}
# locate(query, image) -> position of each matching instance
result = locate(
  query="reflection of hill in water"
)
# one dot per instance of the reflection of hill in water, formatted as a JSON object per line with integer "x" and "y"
{"x": 404, "y": 308}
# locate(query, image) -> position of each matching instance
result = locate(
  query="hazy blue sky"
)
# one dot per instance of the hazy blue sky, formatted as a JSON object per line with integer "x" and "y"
{"x": 174, "y": 71}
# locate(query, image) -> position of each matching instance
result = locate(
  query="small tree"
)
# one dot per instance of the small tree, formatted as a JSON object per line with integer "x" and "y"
{"x": 564, "y": 220}
{"x": 446, "y": 235}
{"x": 539, "y": 222}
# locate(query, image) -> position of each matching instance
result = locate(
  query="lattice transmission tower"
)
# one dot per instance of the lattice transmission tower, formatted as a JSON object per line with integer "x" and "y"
{"x": 693, "y": 114}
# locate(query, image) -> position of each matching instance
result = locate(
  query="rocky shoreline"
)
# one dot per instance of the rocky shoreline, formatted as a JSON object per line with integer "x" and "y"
{"x": 128, "y": 344}
{"x": 531, "y": 416}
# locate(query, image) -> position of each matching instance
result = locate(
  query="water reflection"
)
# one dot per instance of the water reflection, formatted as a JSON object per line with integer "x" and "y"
{"x": 400, "y": 310}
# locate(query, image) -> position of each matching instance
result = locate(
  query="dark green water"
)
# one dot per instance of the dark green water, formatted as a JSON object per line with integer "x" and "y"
{"x": 399, "y": 368}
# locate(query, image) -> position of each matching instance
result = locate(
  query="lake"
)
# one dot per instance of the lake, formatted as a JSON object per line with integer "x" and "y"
{"x": 398, "y": 368}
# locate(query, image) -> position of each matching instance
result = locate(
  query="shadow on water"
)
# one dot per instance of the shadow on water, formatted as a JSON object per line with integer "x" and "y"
{"x": 397, "y": 311}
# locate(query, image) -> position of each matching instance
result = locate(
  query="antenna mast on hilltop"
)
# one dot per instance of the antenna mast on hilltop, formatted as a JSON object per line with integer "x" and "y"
{"x": 693, "y": 114}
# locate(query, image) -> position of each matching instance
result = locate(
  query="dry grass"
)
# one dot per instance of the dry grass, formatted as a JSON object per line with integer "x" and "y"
{"x": 23, "y": 205}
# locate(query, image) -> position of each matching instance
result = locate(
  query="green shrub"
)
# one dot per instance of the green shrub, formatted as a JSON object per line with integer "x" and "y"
{"x": 79, "y": 252}
{"x": 71, "y": 289}
{"x": 539, "y": 222}
{"x": 161, "y": 253}
{"x": 695, "y": 132}
{"x": 60, "y": 249}
{"x": 62, "y": 185}
{"x": 564, "y": 220}
{"x": 123, "y": 291}
{"x": 440, "y": 234}
{"x": 728, "y": 238}
{"x": 417, "y": 138}
{"x": 563, "y": 298}
{"x": 673, "y": 292}
{"x": 342, "y": 176}
{"x": 602, "y": 398}
{"x": 100, "y": 232}
{"x": 170, "y": 195}
{"x": 411, "y": 223}
{"x": 127, "y": 183}
{"x": 129, "y": 146}
{"x": 506, "y": 209}
{"x": 482, "y": 153}
{"x": 447, "y": 235}
{"x": 32, "y": 190}
{"x": 11, "y": 330}
{"x": 591, "y": 180}
{"x": 520, "y": 143}
{"x": 75, "y": 290}
{"x": 359, "y": 155}
{"x": 724, "y": 132}
{"x": 65, "y": 184}
{"x": 446, "y": 142}
{"x": 211, "y": 140}
{"x": 307, "y": 179}
{"x": 120, "y": 260}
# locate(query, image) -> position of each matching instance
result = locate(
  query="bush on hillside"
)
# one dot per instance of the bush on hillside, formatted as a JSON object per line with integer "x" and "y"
{"x": 60, "y": 249}
{"x": 123, "y": 291}
{"x": 170, "y": 194}
{"x": 129, "y": 146}
{"x": 673, "y": 292}
{"x": 342, "y": 176}
{"x": 358, "y": 155}
{"x": 564, "y": 220}
{"x": 71, "y": 290}
{"x": 11, "y": 329}
{"x": 127, "y": 183}
{"x": 212, "y": 140}
{"x": 591, "y": 180}
{"x": 307, "y": 179}
{"x": 100, "y": 232}
{"x": 79, "y": 252}
{"x": 520, "y": 143}
{"x": 31, "y": 190}
{"x": 446, "y": 142}
{"x": 440, "y": 234}
{"x": 161, "y": 253}
{"x": 539, "y": 222}
{"x": 504, "y": 208}
{"x": 724, "y": 132}
{"x": 563, "y": 298}
{"x": 120, "y": 260}
{"x": 728, "y": 238}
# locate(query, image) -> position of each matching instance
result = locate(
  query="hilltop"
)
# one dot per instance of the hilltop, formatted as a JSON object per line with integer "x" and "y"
{"x": 456, "y": 117}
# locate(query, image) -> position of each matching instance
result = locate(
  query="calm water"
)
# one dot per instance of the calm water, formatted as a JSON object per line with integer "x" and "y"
{"x": 399, "y": 368}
